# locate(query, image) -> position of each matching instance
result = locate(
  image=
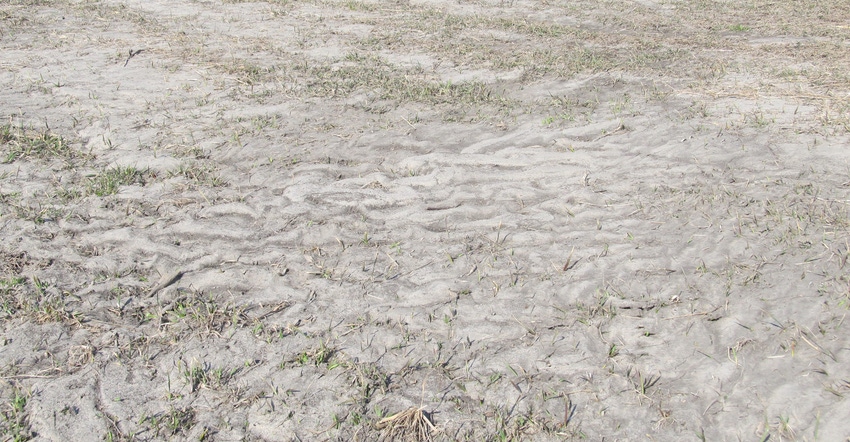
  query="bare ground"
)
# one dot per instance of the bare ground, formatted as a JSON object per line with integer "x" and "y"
{"x": 489, "y": 220}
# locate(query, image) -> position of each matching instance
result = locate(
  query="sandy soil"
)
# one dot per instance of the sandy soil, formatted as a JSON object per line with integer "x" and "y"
{"x": 472, "y": 220}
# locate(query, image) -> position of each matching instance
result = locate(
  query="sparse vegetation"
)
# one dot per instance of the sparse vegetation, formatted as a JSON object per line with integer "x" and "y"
{"x": 22, "y": 297}
{"x": 199, "y": 175}
{"x": 14, "y": 425}
{"x": 419, "y": 222}
{"x": 21, "y": 143}
{"x": 110, "y": 180}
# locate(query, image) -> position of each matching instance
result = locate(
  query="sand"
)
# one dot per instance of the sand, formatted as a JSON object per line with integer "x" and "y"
{"x": 425, "y": 220}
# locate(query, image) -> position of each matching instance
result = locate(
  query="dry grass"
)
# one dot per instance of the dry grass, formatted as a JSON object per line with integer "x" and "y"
{"x": 411, "y": 425}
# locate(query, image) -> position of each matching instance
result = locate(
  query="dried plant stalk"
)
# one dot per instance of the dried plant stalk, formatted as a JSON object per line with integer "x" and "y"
{"x": 409, "y": 425}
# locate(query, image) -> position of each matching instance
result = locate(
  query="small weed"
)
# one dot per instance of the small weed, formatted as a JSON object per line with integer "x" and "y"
{"x": 360, "y": 6}
{"x": 29, "y": 297}
{"x": 784, "y": 427}
{"x": 203, "y": 375}
{"x": 15, "y": 425}
{"x": 621, "y": 105}
{"x": 357, "y": 72}
{"x": 317, "y": 356}
{"x": 551, "y": 119}
{"x": 175, "y": 421}
{"x": 108, "y": 182}
{"x": 199, "y": 175}
{"x": 369, "y": 378}
{"x": 249, "y": 74}
{"x": 205, "y": 314}
{"x": 67, "y": 194}
{"x": 493, "y": 378}
{"x": 396, "y": 247}
{"x": 195, "y": 376}
{"x": 37, "y": 213}
{"x": 29, "y": 143}
{"x": 641, "y": 383}
{"x": 520, "y": 427}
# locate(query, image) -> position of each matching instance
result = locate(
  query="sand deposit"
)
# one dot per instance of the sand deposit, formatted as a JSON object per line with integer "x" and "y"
{"x": 328, "y": 220}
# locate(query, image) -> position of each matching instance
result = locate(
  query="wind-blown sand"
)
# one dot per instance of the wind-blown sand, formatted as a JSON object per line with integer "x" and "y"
{"x": 292, "y": 220}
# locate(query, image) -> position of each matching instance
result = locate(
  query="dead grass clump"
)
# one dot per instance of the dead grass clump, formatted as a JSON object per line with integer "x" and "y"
{"x": 80, "y": 355}
{"x": 411, "y": 425}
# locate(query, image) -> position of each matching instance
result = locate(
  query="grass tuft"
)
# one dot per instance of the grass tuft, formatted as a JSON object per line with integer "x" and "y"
{"x": 31, "y": 298}
{"x": 199, "y": 175}
{"x": 15, "y": 424}
{"x": 24, "y": 143}
{"x": 109, "y": 181}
